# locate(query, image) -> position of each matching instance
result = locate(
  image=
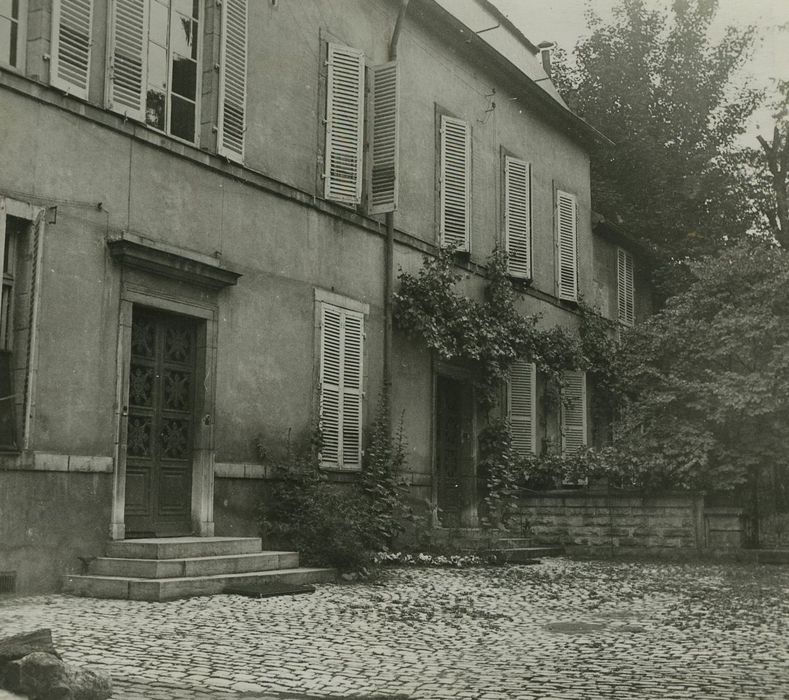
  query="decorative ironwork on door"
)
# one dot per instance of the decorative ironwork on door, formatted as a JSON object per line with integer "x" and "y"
{"x": 160, "y": 423}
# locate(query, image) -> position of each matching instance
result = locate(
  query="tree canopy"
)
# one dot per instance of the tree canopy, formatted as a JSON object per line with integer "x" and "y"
{"x": 656, "y": 84}
{"x": 706, "y": 379}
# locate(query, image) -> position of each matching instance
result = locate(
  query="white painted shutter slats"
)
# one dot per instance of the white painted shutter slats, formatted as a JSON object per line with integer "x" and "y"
{"x": 573, "y": 411}
{"x": 455, "y": 182}
{"x": 624, "y": 287}
{"x": 344, "y": 124}
{"x": 384, "y": 138}
{"x": 341, "y": 376}
{"x": 128, "y": 51}
{"x": 352, "y": 391}
{"x": 233, "y": 80}
{"x": 517, "y": 216}
{"x": 522, "y": 407}
{"x": 566, "y": 226}
{"x": 72, "y": 21}
{"x": 331, "y": 374}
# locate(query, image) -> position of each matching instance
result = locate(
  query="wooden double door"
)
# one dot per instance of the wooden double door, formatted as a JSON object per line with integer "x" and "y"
{"x": 160, "y": 424}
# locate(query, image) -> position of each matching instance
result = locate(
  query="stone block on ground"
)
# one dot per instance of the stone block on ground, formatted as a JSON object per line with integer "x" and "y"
{"x": 42, "y": 676}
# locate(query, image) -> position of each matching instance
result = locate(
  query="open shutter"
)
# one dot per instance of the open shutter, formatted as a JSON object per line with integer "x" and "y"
{"x": 72, "y": 21}
{"x": 127, "y": 58}
{"x": 522, "y": 407}
{"x": 384, "y": 138}
{"x": 344, "y": 124}
{"x": 573, "y": 411}
{"x": 455, "y": 182}
{"x": 353, "y": 336}
{"x": 624, "y": 287}
{"x": 566, "y": 242}
{"x": 233, "y": 80}
{"x": 331, "y": 377}
{"x": 517, "y": 216}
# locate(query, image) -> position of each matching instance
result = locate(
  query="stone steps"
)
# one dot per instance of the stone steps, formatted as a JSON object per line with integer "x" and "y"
{"x": 773, "y": 556}
{"x": 159, "y": 569}
{"x": 519, "y": 555}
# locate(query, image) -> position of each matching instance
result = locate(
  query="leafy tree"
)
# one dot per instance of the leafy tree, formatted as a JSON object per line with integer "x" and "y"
{"x": 774, "y": 200}
{"x": 663, "y": 92}
{"x": 707, "y": 378}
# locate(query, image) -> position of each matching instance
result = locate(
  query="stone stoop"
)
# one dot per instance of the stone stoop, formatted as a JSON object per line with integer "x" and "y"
{"x": 773, "y": 556}
{"x": 168, "y": 568}
{"x": 519, "y": 550}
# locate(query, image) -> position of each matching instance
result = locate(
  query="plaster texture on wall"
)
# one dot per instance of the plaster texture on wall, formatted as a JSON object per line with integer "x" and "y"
{"x": 47, "y": 521}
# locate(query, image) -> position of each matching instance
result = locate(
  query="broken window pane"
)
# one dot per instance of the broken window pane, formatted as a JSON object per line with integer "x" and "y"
{"x": 184, "y": 77}
{"x": 183, "y": 36}
{"x": 154, "y": 109}
{"x": 182, "y": 118}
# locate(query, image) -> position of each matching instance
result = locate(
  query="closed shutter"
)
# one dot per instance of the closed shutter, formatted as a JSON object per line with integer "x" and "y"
{"x": 566, "y": 243}
{"x": 517, "y": 216}
{"x": 344, "y": 123}
{"x": 522, "y": 407}
{"x": 455, "y": 182}
{"x": 341, "y": 375}
{"x": 624, "y": 287}
{"x": 352, "y": 391}
{"x": 127, "y": 58}
{"x": 72, "y": 21}
{"x": 233, "y": 80}
{"x": 573, "y": 411}
{"x": 384, "y": 138}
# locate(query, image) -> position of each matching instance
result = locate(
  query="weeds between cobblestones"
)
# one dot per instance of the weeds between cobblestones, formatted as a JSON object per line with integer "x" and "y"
{"x": 563, "y": 629}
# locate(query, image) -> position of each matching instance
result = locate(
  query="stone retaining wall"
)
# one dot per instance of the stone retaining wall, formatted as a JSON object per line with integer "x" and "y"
{"x": 628, "y": 522}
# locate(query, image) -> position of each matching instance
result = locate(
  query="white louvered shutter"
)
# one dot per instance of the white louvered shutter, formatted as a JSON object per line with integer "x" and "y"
{"x": 522, "y": 407}
{"x": 455, "y": 182}
{"x": 344, "y": 124}
{"x": 567, "y": 245}
{"x": 517, "y": 216}
{"x": 72, "y": 21}
{"x": 233, "y": 80}
{"x": 573, "y": 411}
{"x": 384, "y": 138}
{"x": 624, "y": 287}
{"x": 353, "y": 337}
{"x": 331, "y": 378}
{"x": 127, "y": 58}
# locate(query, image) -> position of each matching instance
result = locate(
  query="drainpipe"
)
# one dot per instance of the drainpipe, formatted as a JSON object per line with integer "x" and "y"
{"x": 389, "y": 256}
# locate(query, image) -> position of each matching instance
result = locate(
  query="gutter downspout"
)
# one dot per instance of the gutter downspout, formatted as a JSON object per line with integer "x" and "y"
{"x": 389, "y": 256}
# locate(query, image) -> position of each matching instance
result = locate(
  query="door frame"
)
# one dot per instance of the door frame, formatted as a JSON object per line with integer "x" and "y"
{"x": 463, "y": 376}
{"x": 203, "y": 450}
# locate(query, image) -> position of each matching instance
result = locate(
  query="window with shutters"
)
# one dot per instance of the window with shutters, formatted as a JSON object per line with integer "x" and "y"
{"x": 13, "y": 15}
{"x": 233, "y": 80}
{"x": 625, "y": 294}
{"x": 573, "y": 411}
{"x": 154, "y": 76}
{"x": 517, "y": 216}
{"x": 344, "y": 124}
{"x": 522, "y": 407}
{"x": 72, "y": 22}
{"x": 383, "y": 175}
{"x": 341, "y": 390}
{"x": 454, "y": 175}
{"x": 567, "y": 246}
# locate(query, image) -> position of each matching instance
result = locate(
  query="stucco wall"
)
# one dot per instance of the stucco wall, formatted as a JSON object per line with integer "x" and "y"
{"x": 47, "y": 521}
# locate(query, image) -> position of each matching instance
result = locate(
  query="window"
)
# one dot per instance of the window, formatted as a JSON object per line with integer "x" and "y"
{"x": 566, "y": 243}
{"x": 454, "y": 182}
{"x": 71, "y": 41}
{"x": 154, "y": 63}
{"x": 625, "y": 297}
{"x": 517, "y": 216}
{"x": 573, "y": 411}
{"x": 522, "y": 403}
{"x": 341, "y": 378}
{"x": 12, "y": 44}
{"x": 384, "y": 138}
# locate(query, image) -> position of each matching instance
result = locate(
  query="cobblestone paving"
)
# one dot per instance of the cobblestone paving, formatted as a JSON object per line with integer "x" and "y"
{"x": 562, "y": 629}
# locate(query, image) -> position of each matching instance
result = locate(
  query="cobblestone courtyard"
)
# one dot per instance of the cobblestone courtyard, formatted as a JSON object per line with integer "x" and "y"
{"x": 561, "y": 629}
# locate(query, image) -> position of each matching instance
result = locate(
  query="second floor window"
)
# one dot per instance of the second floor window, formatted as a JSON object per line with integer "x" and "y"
{"x": 154, "y": 59}
{"x": 567, "y": 246}
{"x": 625, "y": 297}
{"x": 10, "y": 44}
{"x": 172, "y": 76}
{"x": 454, "y": 183}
